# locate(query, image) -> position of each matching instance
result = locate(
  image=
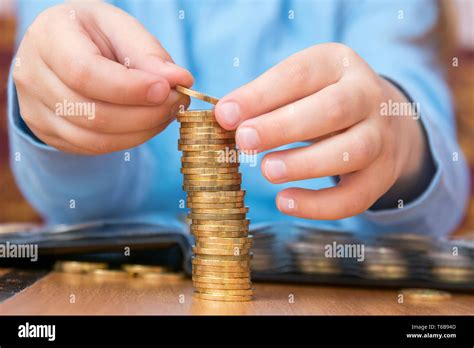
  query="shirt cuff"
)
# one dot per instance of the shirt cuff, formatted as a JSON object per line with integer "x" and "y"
{"x": 439, "y": 209}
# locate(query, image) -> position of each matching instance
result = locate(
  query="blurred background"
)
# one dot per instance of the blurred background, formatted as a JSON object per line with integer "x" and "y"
{"x": 14, "y": 208}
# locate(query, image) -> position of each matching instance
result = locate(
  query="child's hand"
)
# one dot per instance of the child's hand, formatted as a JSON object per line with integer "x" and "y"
{"x": 91, "y": 80}
{"x": 328, "y": 95}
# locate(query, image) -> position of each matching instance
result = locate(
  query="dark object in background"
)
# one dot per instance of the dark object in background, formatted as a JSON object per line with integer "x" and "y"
{"x": 285, "y": 253}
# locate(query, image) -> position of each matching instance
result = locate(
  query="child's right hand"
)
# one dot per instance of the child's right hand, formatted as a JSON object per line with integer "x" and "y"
{"x": 91, "y": 80}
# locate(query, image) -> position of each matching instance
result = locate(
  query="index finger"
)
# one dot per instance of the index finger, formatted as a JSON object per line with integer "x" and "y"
{"x": 300, "y": 75}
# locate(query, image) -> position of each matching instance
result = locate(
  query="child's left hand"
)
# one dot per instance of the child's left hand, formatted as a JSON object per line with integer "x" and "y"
{"x": 330, "y": 96}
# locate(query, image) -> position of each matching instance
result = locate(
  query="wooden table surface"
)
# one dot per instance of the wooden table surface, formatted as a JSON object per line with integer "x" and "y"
{"x": 52, "y": 295}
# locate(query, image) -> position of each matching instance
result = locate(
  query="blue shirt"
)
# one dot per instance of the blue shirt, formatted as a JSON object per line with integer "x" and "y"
{"x": 225, "y": 45}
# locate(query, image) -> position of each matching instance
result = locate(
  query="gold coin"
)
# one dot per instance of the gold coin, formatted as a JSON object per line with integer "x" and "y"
{"x": 206, "y": 158}
{"x": 225, "y": 176}
{"x": 425, "y": 295}
{"x": 226, "y": 241}
{"x": 207, "y": 161}
{"x": 217, "y": 200}
{"x": 209, "y": 199}
{"x": 221, "y": 251}
{"x": 210, "y": 286}
{"x": 232, "y": 249}
{"x": 221, "y": 269}
{"x": 202, "y": 262}
{"x": 223, "y": 234}
{"x": 195, "y": 94}
{"x": 196, "y": 113}
{"x": 246, "y": 257}
{"x": 454, "y": 274}
{"x": 215, "y": 205}
{"x": 202, "y": 112}
{"x": 386, "y": 271}
{"x": 210, "y": 151}
{"x": 217, "y": 156}
{"x": 217, "y": 274}
{"x": 140, "y": 269}
{"x": 221, "y": 280}
{"x": 240, "y": 292}
{"x": 212, "y": 260}
{"x": 228, "y": 141}
{"x": 229, "y": 203}
{"x": 215, "y": 227}
{"x": 207, "y": 147}
{"x": 315, "y": 269}
{"x": 162, "y": 277}
{"x": 110, "y": 273}
{"x": 203, "y": 243}
{"x": 184, "y": 119}
{"x": 199, "y": 117}
{"x": 78, "y": 267}
{"x": 213, "y": 188}
{"x": 217, "y": 222}
{"x": 215, "y": 164}
{"x": 207, "y": 183}
{"x": 205, "y": 130}
{"x": 224, "y": 152}
{"x": 212, "y": 124}
{"x": 224, "y": 298}
{"x": 219, "y": 194}
{"x": 216, "y": 216}
{"x": 203, "y": 135}
{"x": 195, "y": 171}
{"x": 221, "y": 211}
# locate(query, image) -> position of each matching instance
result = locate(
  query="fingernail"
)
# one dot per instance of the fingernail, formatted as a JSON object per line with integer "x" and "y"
{"x": 286, "y": 204}
{"x": 247, "y": 138}
{"x": 229, "y": 113}
{"x": 275, "y": 169}
{"x": 155, "y": 93}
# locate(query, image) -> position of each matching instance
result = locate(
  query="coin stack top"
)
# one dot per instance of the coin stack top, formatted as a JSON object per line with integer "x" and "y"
{"x": 222, "y": 250}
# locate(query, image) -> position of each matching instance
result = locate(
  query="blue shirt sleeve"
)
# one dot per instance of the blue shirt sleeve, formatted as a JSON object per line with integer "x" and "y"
{"x": 113, "y": 185}
{"x": 394, "y": 37}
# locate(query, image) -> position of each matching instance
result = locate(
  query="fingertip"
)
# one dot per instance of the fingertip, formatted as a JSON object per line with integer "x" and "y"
{"x": 160, "y": 66}
{"x": 179, "y": 75}
{"x": 228, "y": 114}
{"x": 274, "y": 169}
{"x": 286, "y": 203}
{"x": 248, "y": 138}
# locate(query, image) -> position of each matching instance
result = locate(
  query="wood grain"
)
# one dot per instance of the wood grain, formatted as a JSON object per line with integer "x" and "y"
{"x": 51, "y": 295}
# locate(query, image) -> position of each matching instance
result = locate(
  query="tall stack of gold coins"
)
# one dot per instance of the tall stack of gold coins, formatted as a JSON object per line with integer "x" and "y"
{"x": 210, "y": 166}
